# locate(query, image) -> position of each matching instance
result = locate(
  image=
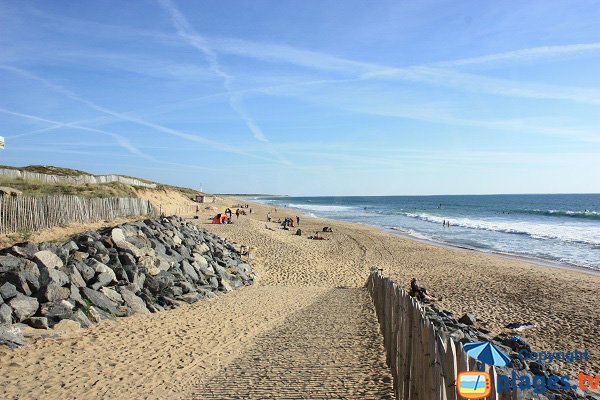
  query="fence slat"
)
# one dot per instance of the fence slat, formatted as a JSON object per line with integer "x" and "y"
{"x": 29, "y": 214}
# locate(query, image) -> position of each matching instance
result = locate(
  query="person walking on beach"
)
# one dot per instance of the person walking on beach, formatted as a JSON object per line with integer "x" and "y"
{"x": 268, "y": 217}
{"x": 250, "y": 211}
{"x": 297, "y": 220}
{"x": 237, "y": 213}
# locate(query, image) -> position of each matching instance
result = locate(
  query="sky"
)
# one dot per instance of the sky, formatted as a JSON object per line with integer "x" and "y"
{"x": 308, "y": 97}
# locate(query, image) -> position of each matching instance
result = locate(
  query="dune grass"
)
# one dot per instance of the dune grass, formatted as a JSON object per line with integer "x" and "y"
{"x": 38, "y": 188}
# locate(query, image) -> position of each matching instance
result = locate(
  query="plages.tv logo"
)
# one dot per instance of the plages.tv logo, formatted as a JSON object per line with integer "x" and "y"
{"x": 477, "y": 384}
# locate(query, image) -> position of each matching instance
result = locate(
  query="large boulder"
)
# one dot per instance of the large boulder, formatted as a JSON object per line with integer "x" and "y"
{"x": 100, "y": 300}
{"x": 8, "y": 291}
{"x": 5, "y": 314}
{"x": 52, "y": 276}
{"x": 11, "y": 336}
{"x": 75, "y": 276}
{"x": 23, "y": 306}
{"x": 136, "y": 304}
{"x": 53, "y": 292}
{"x": 37, "y": 322}
{"x": 48, "y": 259}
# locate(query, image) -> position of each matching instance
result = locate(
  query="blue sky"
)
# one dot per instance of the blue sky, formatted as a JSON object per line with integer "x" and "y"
{"x": 308, "y": 98}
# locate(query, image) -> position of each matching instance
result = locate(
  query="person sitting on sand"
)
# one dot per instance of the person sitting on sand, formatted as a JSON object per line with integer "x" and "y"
{"x": 421, "y": 293}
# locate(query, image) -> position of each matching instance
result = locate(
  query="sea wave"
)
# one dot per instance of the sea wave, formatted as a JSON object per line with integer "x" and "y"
{"x": 561, "y": 213}
{"x": 320, "y": 208}
{"x": 575, "y": 234}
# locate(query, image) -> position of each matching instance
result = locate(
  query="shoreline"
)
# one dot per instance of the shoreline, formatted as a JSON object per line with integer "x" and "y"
{"x": 517, "y": 257}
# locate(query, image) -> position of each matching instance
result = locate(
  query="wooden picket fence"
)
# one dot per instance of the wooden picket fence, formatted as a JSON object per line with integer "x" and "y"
{"x": 29, "y": 214}
{"x": 423, "y": 360}
{"x": 73, "y": 179}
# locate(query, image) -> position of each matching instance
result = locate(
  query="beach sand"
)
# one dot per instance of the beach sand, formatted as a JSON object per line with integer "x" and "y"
{"x": 307, "y": 326}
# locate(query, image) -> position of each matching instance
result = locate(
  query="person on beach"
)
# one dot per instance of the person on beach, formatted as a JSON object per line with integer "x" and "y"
{"x": 421, "y": 293}
{"x": 237, "y": 214}
{"x": 297, "y": 220}
{"x": 250, "y": 211}
{"x": 268, "y": 217}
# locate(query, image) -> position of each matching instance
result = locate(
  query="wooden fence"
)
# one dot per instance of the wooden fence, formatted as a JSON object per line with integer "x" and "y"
{"x": 28, "y": 214}
{"x": 73, "y": 179}
{"x": 423, "y": 360}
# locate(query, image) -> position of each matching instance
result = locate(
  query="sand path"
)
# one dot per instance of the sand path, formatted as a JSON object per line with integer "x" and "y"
{"x": 328, "y": 350}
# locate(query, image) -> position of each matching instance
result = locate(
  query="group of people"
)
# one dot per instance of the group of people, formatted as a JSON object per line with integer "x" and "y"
{"x": 446, "y": 223}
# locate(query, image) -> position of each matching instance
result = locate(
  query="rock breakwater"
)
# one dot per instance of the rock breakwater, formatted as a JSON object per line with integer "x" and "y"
{"x": 139, "y": 267}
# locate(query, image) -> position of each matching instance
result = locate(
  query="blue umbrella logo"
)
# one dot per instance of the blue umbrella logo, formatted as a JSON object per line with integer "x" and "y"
{"x": 487, "y": 353}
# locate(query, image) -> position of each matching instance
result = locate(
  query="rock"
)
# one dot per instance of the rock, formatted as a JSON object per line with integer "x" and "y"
{"x": 117, "y": 235}
{"x": 47, "y": 259}
{"x": 82, "y": 319}
{"x": 467, "y": 319}
{"x": 111, "y": 294}
{"x": 37, "y": 322}
{"x": 5, "y": 314}
{"x": 76, "y": 295}
{"x": 105, "y": 278}
{"x": 75, "y": 276}
{"x": 23, "y": 306}
{"x": 189, "y": 271}
{"x": 200, "y": 260}
{"x": 203, "y": 248}
{"x": 226, "y": 285}
{"x": 153, "y": 271}
{"x": 100, "y": 300}
{"x": 87, "y": 272}
{"x": 25, "y": 276}
{"x": 56, "y": 311}
{"x": 66, "y": 326}
{"x": 8, "y": 291}
{"x": 51, "y": 275}
{"x": 137, "y": 305}
{"x": 9, "y": 263}
{"x": 52, "y": 292}
{"x": 24, "y": 250}
{"x": 191, "y": 297}
{"x": 11, "y": 336}
{"x": 94, "y": 315}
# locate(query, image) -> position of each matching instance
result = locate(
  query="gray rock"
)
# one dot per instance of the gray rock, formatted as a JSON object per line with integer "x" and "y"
{"x": 5, "y": 314}
{"x": 189, "y": 271}
{"x": 47, "y": 259}
{"x": 37, "y": 322}
{"x": 57, "y": 310}
{"x": 24, "y": 250}
{"x": 191, "y": 297}
{"x": 94, "y": 315}
{"x": 87, "y": 272}
{"x": 75, "y": 276}
{"x": 25, "y": 276}
{"x": 83, "y": 320}
{"x": 105, "y": 278}
{"x": 8, "y": 291}
{"x": 50, "y": 276}
{"x": 467, "y": 319}
{"x": 76, "y": 295}
{"x": 100, "y": 300}
{"x": 53, "y": 292}
{"x": 11, "y": 336}
{"x": 23, "y": 306}
{"x": 9, "y": 263}
{"x": 112, "y": 294}
{"x": 136, "y": 304}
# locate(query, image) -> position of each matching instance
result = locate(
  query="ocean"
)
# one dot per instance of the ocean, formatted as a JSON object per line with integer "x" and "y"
{"x": 563, "y": 228}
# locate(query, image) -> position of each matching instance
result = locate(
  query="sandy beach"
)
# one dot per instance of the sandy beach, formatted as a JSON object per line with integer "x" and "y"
{"x": 307, "y": 326}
